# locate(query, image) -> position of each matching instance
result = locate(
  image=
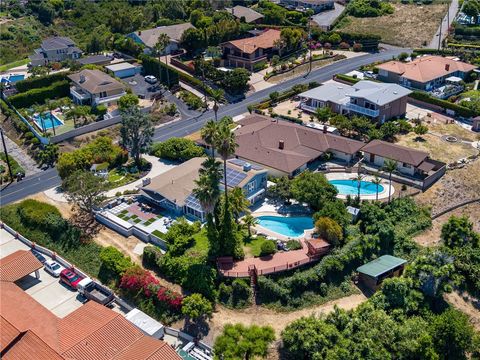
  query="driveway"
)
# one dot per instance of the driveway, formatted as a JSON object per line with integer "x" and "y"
{"x": 326, "y": 18}
{"x": 140, "y": 87}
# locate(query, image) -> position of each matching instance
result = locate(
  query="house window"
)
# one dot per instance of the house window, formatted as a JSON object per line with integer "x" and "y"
{"x": 407, "y": 166}
{"x": 252, "y": 185}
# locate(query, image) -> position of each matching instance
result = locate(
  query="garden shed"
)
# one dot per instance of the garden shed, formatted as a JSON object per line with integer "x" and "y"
{"x": 373, "y": 273}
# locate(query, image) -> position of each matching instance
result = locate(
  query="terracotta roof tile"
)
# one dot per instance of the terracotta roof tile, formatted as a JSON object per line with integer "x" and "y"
{"x": 426, "y": 68}
{"x": 147, "y": 348}
{"x": 7, "y": 334}
{"x": 18, "y": 265}
{"x": 265, "y": 41}
{"x": 30, "y": 346}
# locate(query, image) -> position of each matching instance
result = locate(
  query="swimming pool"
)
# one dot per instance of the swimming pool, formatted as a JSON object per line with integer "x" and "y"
{"x": 286, "y": 226}
{"x": 350, "y": 187}
{"x": 49, "y": 120}
{"x": 12, "y": 78}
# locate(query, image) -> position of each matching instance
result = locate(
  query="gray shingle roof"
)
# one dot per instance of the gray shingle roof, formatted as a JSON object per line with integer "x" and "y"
{"x": 150, "y": 36}
{"x": 378, "y": 93}
{"x": 336, "y": 93}
{"x": 250, "y": 15}
{"x": 57, "y": 42}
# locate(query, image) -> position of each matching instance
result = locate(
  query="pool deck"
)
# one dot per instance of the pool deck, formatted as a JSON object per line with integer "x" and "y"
{"x": 350, "y": 176}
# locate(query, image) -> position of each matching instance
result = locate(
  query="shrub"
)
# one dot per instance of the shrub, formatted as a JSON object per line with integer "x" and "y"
{"x": 100, "y": 110}
{"x": 459, "y": 110}
{"x": 344, "y": 45}
{"x": 177, "y": 149}
{"x": 39, "y": 82}
{"x": 293, "y": 245}
{"x": 196, "y": 307}
{"x": 357, "y": 47}
{"x": 39, "y": 95}
{"x": 34, "y": 213}
{"x": 268, "y": 248}
{"x": 329, "y": 230}
{"x": 151, "y": 256}
{"x": 114, "y": 261}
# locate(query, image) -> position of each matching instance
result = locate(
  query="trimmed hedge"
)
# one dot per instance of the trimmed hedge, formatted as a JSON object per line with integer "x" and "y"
{"x": 39, "y": 95}
{"x": 39, "y": 82}
{"x": 467, "y": 30}
{"x": 347, "y": 78}
{"x": 152, "y": 66}
{"x": 459, "y": 110}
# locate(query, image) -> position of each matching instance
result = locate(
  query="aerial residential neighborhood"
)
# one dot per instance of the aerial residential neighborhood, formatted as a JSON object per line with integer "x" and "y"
{"x": 240, "y": 179}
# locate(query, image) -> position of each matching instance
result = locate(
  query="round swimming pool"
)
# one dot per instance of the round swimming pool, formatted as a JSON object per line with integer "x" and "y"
{"x": 350, "y": 187}
{"x": 286, "y": 226}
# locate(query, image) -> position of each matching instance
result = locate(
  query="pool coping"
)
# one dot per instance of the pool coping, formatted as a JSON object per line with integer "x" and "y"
{"x": 39, "y": 126}
{"x": 350, "y": 176}
{"x": 261, "y": 229}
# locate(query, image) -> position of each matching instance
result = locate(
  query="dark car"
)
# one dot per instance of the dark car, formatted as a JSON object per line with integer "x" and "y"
{"x": 70, "y": 278}
{"x": 39, "y": 256}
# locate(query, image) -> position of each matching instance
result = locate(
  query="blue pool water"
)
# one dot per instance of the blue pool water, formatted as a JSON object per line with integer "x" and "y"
{"x": 350, "y": 187}
{"x": 49, "y": 120}
{"x": 286, "y": 226}
{"x": 12, "y": 78}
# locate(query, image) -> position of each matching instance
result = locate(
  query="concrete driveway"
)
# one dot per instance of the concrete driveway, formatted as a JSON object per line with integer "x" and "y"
{"x": 140, "y": 87}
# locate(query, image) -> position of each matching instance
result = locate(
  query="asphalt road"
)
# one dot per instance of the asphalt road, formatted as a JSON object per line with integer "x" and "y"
{"x": 49, "y": 178}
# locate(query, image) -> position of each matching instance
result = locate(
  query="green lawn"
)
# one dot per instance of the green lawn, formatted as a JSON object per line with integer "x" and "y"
{"x": 14, "y": 64}
{"x": 255, "y": 244}
{"x": 117, "y": 178}
{"x": 201, "y": 243}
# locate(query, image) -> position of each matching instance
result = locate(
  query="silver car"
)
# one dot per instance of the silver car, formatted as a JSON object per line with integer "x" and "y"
{"x": 53, "y": 268}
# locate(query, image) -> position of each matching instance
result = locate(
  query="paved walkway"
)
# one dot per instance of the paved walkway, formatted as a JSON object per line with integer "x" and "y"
{"x": 25, "y": 161}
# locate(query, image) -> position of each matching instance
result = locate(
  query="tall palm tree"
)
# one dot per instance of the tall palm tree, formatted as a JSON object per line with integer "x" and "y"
{"x": 41, "y": 109}
{"x": 249, "y": 221}
{"x": 238, "y": 202}
{"x": 226, "y": 145}
{"x": 377, "y": 181}
{"x": 359, "y": 179}
{"x": 52, "y": 105}
{"x": 390, "y": 166}
{"x": 209, "y": 134}
{"x": 217, "y": 96}
{"x": 162, "y": 43}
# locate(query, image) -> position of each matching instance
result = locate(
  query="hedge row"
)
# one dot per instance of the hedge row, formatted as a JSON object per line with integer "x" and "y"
{"x": 349, "y": 79}
{"x": 153, "y": 66}
{"x": 38, "y": 96}
{"x": 468, "y": 31}
{"x": 39, "y": 82}
{"x": 459, "y": 110}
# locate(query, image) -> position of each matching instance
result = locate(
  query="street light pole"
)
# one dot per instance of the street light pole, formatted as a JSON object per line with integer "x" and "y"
{"x": 7, "y": 159}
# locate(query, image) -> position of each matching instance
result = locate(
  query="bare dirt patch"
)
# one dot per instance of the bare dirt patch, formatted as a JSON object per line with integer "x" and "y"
{"x": 455, "y": 187}
{"x": 431, "y": 237}
{"x": 466, "y": 304}
{"x": 410, "y": 25}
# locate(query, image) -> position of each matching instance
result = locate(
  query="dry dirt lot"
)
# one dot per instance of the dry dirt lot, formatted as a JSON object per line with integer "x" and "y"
{"x": 466, "y": 304}
{"x": 453, "y": 188}
{"x": 409, "y": 26}
{"x": 431, "y": 237}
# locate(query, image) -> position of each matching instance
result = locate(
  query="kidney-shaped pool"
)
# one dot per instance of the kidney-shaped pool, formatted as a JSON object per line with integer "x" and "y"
{"x": 287, "y": 226}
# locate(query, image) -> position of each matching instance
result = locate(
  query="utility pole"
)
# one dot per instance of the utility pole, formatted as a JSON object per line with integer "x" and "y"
{"x": 440, "y": 34}
{"x": 309, "y": 40}
{"x": 204, "y": 88}
{"x": 7, "y": 159}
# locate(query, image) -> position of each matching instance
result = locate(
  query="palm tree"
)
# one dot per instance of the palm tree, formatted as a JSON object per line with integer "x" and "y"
{"x": 52, "y": 105}
{"x": 162, "y": 43}
{"x": 359, "y": 179}
{"x": 217, "y": 96}
{"x": 40, "y": 109}
{"x": 390, "y": 166}
{"x": 249, "y": 221}
{"x": 226, "y": 145}
{"x": 209, "y": 134}
{"x": 377, "y": 181}
{"x": 238, "y": 202}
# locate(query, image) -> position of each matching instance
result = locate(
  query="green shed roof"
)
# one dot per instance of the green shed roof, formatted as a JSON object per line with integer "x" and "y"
{"x": 381, "y": 265}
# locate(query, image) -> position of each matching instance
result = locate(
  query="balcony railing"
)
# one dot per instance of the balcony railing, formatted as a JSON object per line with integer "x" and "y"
{"x": 306, "y": 107}
{"x": 101, "y": 100}
{"x": 79, "y": 94}
{"x": 362, "y": 110}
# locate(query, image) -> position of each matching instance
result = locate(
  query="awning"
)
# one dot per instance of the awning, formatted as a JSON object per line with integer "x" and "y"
{"x": 18, "y": 265}
{"x": 253, "y": 196}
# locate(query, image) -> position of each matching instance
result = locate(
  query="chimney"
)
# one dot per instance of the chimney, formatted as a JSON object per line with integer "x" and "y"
{"x": 447, "y": 67}
{"x": 82, "y": 78}
{"x": 325, "y": 128}
{"x": 140, "y": 32}
{"x": 281, "y": 144}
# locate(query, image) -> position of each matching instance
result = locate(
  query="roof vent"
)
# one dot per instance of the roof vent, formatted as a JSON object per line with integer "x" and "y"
{"x": 281, "y": 144}
{"x": 395, "y": 92}
{"x": 447, "y": 67}
{"x": 247, "y": 167}
{"x": 325, "y": 129}
{"x": 82, "y": 78}
{"x": 140, "y": 32}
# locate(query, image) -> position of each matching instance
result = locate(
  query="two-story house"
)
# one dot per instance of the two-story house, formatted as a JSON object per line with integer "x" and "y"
{"x": 149, "y": 37}
{"x": 250, "y": 51}
{"x": 378, "y": 101}
{"x": 315, "y": 5}
{"x": 94, "y": 87}
{"x": 424, "y": 73}
{"x": 173, "y": 190}
{"x": 55, "y": 49}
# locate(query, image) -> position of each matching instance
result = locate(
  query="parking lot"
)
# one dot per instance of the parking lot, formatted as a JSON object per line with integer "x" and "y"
{"x": 140, "y": 87}
{"x": 48, "y": 291}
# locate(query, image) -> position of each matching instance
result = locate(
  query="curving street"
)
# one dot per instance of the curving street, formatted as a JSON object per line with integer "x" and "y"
{"x": 49, "y": 178}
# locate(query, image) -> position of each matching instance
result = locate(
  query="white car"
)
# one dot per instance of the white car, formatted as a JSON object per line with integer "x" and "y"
{"x": 53, "y": 268}
{"x": 150, "y": 79}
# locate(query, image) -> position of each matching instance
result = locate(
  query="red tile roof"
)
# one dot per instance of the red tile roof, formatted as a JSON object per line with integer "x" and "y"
{"x": 147, "y": 348}
{"x": 265, "y": 41}
{"x": 7, "y": 334}
{"x": 30, "y": 346}
{"x": 426, "y": 68}
{"x": 18, "y": 265}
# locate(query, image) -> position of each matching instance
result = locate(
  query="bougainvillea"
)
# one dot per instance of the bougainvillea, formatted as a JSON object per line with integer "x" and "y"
{"x": 138, "y": 280}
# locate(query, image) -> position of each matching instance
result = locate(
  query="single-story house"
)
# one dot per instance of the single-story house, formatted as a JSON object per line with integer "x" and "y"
{"x": 123, "y": 70}
{"x": 378, "y": 101}
{"x": 250, "y": 51}
{"x": 173, "y": 190}
{"x": 386, "y": 266}
{"x": 148, "y": 38}
{"x": 245, "y": 14}
{"x": 94, "y": 87}
{"x": 315, "y": 5}
{"x": 285, "y": 148}
{"x": 424, "y": 73}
